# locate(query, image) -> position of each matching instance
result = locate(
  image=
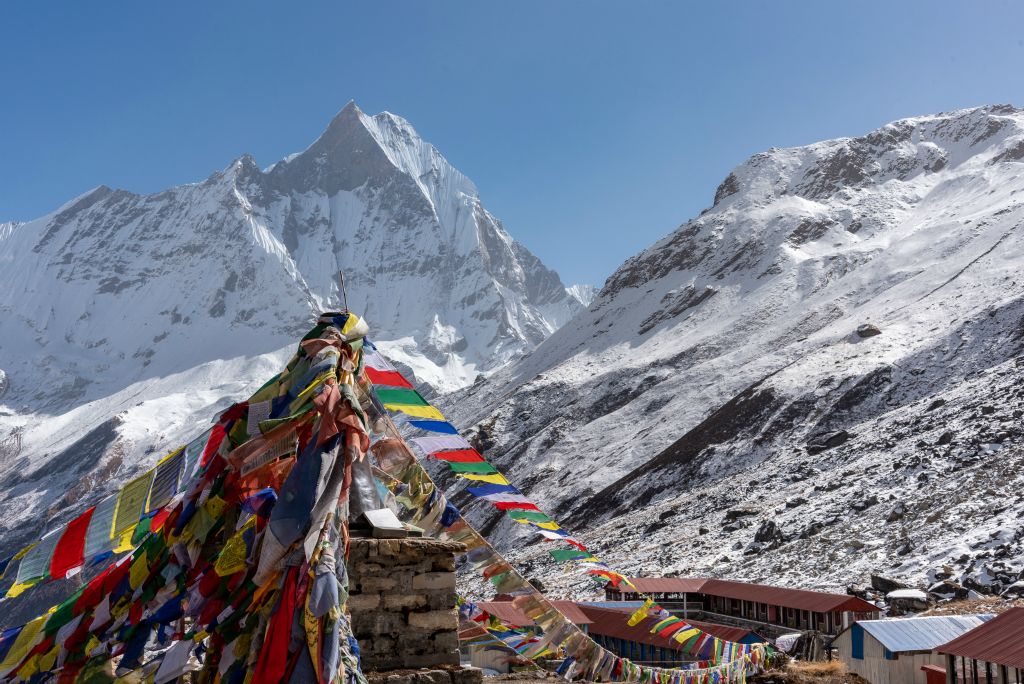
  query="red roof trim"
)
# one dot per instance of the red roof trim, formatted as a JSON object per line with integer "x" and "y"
{"x": 799, "y": 599}
{"x": 513, "y": 616}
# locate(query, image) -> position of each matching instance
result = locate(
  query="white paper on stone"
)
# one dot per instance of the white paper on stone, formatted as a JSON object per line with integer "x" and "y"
{"x": 384, "y": 519}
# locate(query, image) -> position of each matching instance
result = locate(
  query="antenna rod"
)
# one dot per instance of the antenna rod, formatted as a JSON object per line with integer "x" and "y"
{"x": 344, "y": 292}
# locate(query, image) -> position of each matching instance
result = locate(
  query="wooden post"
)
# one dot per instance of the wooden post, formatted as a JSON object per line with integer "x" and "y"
{"x": 950, "y": 669}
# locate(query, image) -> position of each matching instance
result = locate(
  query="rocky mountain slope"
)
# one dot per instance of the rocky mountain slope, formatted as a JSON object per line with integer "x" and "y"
{"x": 126, "y": 320}
{"x": 815, "y": 379}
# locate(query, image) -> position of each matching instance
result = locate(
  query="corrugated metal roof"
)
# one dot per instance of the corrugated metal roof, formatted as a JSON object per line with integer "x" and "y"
{"x": 799, "y": 599}
{"x": 508, "y": 613}
{"x": 665, "y": 585}
{"x": 1000, "y": 640}
{"x": 901, "y": 635}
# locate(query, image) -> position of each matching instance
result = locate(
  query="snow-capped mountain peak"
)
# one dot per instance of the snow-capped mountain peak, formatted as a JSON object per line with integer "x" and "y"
{"x": 120, "y": 302}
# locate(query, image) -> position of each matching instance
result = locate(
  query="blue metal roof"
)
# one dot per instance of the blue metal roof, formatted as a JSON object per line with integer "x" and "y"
{"x": 900, "y": 635}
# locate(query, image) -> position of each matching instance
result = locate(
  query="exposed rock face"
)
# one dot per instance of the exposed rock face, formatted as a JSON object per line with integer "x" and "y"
{"x": 663, "y": 396}
{"x": 866, "y": 330}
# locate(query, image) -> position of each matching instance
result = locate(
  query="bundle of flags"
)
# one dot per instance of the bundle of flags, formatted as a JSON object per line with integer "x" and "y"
{"x": 230, "y": 541}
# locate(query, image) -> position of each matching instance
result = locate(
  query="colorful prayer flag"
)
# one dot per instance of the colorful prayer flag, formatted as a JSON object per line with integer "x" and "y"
{"x": 428, "y": 412}
{"x": 461, "y": 456}
{"x": 69, "y": 553}
{"x": 440, "y": 426}
{"x": 387, "y": 377}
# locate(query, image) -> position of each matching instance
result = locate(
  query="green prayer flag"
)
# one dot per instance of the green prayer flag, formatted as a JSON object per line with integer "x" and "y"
{"x": 478, "y": 467}
{"x": 534, "y": 516}
{"x": 563, "y": 555}
{"x": 400, "y": 395}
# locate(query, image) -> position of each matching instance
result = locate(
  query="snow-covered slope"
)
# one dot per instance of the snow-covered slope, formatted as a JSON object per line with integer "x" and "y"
{"x": 721, "y": 370}
{"x": 126, "y": 318}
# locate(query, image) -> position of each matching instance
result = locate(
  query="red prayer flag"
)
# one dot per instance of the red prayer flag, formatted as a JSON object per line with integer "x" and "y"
{"x": 672, "y": 629}
{"x": 159, "y": 519}
{"x": 68, "y": 554}
{"x": 459, "y": 456}
{"x": 389, "y": 378}
{"x": 273, "y": 659}
{"x": 516, "y": 506}
{"x": 216, "y": 437}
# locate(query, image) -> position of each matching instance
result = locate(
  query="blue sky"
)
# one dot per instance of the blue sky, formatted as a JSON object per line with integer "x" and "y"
{"x": 591, "y": 128}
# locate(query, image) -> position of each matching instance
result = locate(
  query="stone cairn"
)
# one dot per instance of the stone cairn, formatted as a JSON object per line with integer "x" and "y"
{"x": 402, "y": 601}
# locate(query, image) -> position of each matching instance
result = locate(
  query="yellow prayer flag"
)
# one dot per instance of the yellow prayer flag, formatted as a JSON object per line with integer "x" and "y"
{"x": 550, "y": 525}
{"x": 18, "y": 588}
{"x": 232, "y": 556}
{"x": 640, "y": 613}
{"x": 124, "y": 540}
{"x": 139, "y": 571}
{"x": 495, "y": 478}
{"x": 49, "y": 659}
{"x": 428, "y": 412}
{"x": 21, "y": 554}
{"x": 216, "y": 505}
{"x": 131, "y": 501}
{"x": 684, "y": 634}
{"x": 24, "y": 643}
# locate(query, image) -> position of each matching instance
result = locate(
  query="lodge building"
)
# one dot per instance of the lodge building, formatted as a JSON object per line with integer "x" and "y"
{"x": 992, "y": 652}
{"x": 902, "y": 650}
{"x": 746, "y": 604}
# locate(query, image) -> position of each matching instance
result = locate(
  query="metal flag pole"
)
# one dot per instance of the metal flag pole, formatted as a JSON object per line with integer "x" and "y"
{"x": 342, "y": 290}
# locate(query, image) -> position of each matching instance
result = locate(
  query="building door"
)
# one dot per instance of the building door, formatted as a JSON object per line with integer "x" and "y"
{"x": 857, "y": 642}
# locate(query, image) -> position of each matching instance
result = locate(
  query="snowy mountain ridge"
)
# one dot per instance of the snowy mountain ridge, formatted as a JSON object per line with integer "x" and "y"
{"x": 766, "y": 392}
{"x": 127, "y": 320}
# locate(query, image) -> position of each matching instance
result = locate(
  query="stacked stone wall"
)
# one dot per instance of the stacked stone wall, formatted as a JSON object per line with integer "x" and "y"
{"x": 402, "y": 601}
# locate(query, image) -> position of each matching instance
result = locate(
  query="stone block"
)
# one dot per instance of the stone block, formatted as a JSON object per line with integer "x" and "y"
{"x": 377, "y": 623}
{"x": 443, "y": 564}
{"x": 368, "y": 584}
{"x": 363, "y": 602}
{"x": 435, "y": 620}
{"x": 434, "y": 580}
{"x": 432, "y": 659}
{"x": 468, "y": 675}
{"x": 446, "y": 641}
{"x": 400, "y": 679}
{"x": 399, "y": 601}
{"x": 433, "y": 677}
{"x": 437, "y": 600}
